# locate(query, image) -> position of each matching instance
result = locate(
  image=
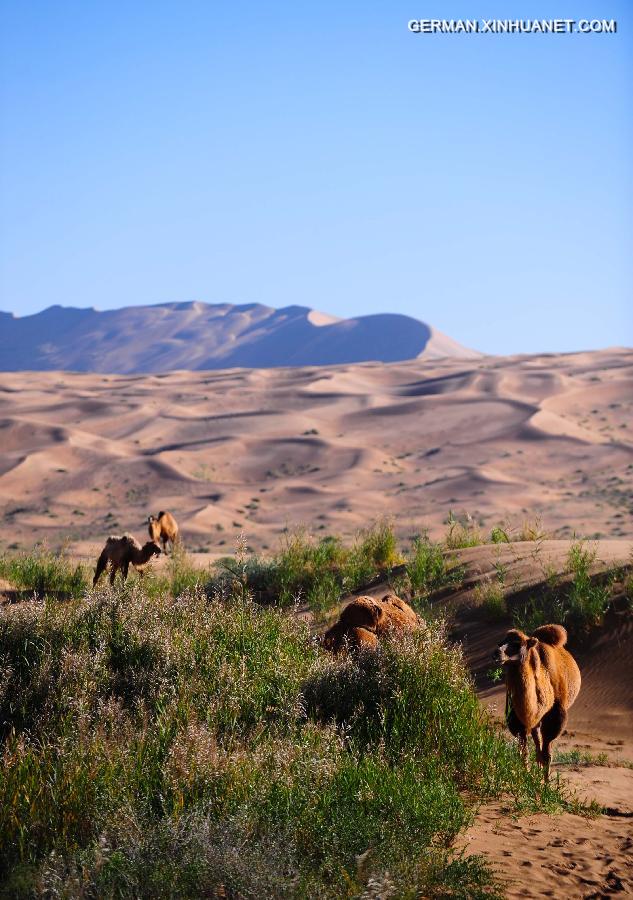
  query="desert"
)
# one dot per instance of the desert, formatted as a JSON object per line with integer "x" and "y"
{"x": 504, "y": 440}
{"x": 488, "y": 492}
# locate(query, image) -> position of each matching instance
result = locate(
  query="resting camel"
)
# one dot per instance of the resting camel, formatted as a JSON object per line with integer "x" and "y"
{"x": 121, "y": 552}
{"x": 542, "y": 682}
{"x": 366, "y": 619}
{"x": 164, "y": 528}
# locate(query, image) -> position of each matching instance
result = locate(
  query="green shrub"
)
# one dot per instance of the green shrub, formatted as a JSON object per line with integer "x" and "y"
{"x": 317, "y": 572}
{"x": 499, "y": 535}
{"x": 580, "y": 603}
{"x": 161, "y": 747}
{"x": 427, "y": 570}
{"x": 44, "y": 572}
{"x": 462, "y": 532}
{"x": 489, "y": 596}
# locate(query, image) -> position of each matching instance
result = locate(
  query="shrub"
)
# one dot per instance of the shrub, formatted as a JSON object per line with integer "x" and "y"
{"x": 374, "y": 553}
{"x": 316, "y": 572}
{"x": 490, "y": 597}
{"x": 462, "y": 532}
{"x": 580, "y": 603}
{"x": 44, "y": 572}
{"x": 184, "y": 748}
{"x": 499, "y": 535}
{"x": 427, "y": 570}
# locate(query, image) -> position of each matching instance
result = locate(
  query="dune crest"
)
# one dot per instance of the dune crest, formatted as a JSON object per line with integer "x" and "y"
{"x": 196, "y": 336}
{"x": 330, "y": 447}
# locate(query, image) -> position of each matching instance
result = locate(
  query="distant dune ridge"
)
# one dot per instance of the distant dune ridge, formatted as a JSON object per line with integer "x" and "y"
{"x": 330, "y": 447}
{"x": 198, "y": 336}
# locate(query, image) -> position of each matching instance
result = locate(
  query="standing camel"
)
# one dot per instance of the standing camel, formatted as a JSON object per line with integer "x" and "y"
{"x": 163, "y": 528}
{"x": 121, "y": 552}
{"x": 542, "y": 681}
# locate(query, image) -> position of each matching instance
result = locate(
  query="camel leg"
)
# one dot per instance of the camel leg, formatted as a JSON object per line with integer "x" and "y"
{"x": 102, "y": 562}
{"x": 125, "y": 569}
{"x": 113, "y": 570}
{"x": 517, "y": 728}
{"x": 538, "y": 743}
{"x": 552, "y": 726}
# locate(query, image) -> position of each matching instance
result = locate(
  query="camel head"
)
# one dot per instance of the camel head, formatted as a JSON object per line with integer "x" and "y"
{"x": 151, "y": 548}
{"x": 153, "y": 528}
{"x": 514, "y": 647}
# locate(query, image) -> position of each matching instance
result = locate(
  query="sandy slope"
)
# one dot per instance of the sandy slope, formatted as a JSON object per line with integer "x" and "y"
{"x": 332, "y": 447}
{"x": 197, "y": 335}
{"x": 566, "y": 855}
{"x": 561, "y": 855}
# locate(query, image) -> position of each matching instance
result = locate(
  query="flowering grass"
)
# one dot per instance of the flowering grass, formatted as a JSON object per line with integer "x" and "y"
{"x": 162, "y": 747}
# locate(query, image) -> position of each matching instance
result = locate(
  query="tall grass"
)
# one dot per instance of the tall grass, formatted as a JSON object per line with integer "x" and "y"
{"x": 45, "y": 572}
{"x": 579, "y": 602}
{"x": 185, "y": 748}
{"x": 318, "y": 572}
{"x": 427, "y": 569}
{"x": 462, "y": 532}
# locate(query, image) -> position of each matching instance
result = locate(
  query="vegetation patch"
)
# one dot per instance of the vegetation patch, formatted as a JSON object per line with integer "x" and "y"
{"x": 318, "y": 572}
{"x": 203, "y": 746}
{"x": 44, "y": 572}
{"x": 579, "y": 601}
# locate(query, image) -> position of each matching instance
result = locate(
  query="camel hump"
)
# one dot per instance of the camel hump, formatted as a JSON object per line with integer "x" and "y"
{"x": 554, "y": 635}
{"x": 161, "y": 514}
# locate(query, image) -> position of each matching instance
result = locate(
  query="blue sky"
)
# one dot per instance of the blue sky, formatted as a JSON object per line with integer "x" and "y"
{"x": 322, "y": 155}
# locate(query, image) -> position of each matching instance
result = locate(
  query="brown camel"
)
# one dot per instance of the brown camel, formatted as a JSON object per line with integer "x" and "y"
{"x": 163, "y": 528}
{"x": 542, "y": 682}
{"x": 121, "y": 552}
{"x": 366, "y": 619}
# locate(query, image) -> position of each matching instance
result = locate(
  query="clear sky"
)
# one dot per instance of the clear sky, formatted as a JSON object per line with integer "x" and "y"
{"x": 321, "y": 154}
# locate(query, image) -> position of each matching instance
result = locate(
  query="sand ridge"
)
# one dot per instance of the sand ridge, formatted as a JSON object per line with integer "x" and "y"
{"x": 331, "y": 447}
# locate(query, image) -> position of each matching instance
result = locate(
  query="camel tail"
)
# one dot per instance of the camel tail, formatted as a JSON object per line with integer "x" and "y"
{"x": 554, "y": 635}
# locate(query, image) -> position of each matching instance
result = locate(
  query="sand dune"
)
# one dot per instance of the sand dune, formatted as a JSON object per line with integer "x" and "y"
{"x": 330, "y": 447}
{"x": 565, "y": 855}
{"x": 197, "y": 336}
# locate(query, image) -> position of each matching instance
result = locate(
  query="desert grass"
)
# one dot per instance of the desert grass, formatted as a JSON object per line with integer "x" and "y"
{"x": 490, "y": 598}
{"x": 318, "y": 572}
{"x": 42, "y": 571}
{"x": 200, "y": 745}
{"x": 580, "y": 602}
{"x": 462, "y": 531}
{"x": 427, "y": 569}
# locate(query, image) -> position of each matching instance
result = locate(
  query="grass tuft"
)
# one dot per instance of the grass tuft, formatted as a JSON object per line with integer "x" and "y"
{"x": 45, "y": 573}
{"x": 580, "y": 603}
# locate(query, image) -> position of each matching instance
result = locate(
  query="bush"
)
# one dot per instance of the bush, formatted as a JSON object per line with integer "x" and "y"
{"x": 462, "y": 532}
{"x": 179, "y": 748}
{"x": 45, "y": 572}
{"x": 499, "y": 535}
{"x": 317, "y": 572}
{"x": 491, "y": 598}
{"x": 580, "y": 603}
{"x": 426, "y": 570}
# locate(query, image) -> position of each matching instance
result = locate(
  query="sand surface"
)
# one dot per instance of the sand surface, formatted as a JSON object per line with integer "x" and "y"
{"x": 257, "y": 451}
{"x": 504, "y": 439}
{"x": 556, "y": 855}
{"x": 562, "y": 855}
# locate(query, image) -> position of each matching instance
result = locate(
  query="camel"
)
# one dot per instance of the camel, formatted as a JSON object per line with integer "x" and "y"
{"x": 164, "y": 528}
{"x": 121, "y": 552}
{"x": 366, "y": 619}
{"x": 542, "y": 681}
